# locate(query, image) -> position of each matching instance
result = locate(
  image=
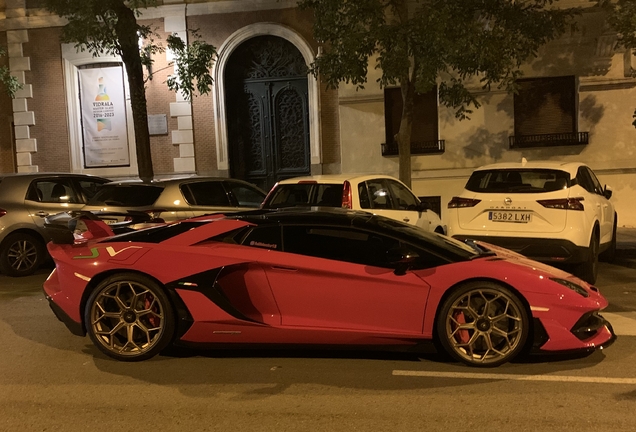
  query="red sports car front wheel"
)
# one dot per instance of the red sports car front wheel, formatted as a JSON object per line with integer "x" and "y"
{"x": 129, "y": 317}
{"x": 483, "y": 324}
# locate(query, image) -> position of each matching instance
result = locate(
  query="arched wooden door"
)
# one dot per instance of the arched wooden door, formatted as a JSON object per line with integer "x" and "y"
{"x": 267, "y": 111}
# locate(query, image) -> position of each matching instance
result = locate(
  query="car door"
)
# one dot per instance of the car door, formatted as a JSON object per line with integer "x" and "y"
{"x": 607, "y": 208}
{"x": 244, "y": 195}
{"x": 88, "y": 187}
{"x": 50, "y": 195}
{"x": 592, "y": 200}
{"x": 392, "y": 199}
{"x": 337, "y": 278}
{"x": 206, "y": 197}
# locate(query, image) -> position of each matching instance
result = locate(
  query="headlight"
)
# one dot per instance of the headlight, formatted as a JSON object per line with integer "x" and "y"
{"x": 574, "y": 287}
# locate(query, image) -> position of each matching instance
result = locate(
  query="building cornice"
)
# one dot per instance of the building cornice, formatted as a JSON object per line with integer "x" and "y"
{"x": 41, "y": 19}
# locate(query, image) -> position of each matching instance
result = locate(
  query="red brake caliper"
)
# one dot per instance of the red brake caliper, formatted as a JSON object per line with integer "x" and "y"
{"x": 462, "y": 336}
{"x": 153, "y": 319}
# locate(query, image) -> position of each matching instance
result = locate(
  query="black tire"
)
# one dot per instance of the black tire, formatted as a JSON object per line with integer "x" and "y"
{"x": 588, "y": 270}
{"x": 21, "y": 254}
{"x": 482, "y": 324}
{"x": 129, "y": 317}
{"x": 609, "y": 254}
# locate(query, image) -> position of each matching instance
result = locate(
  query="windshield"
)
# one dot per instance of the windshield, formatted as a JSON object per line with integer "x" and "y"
{"x": 514, "y": 180}
{"x": 305, "y": 194}
{"x": 428, "y": 240}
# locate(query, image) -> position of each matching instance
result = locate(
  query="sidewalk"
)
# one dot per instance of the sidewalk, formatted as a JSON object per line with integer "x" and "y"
{"x": 626, "y": 238}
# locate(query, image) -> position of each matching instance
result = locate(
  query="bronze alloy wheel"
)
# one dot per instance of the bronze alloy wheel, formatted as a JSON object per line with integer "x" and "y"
{"x": 129, "y": 317}
{"x": 483, "y": 324}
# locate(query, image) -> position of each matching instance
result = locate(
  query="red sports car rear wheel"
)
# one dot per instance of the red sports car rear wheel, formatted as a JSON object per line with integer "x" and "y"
{"x": 129, "y": 317}
{"x": 483, "y": 324}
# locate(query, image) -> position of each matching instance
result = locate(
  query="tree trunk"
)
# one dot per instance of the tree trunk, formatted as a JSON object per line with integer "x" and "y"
{"x": 407, "y": 86}
{"x": 404, "y": 134}
{"x": 126, "y": 30}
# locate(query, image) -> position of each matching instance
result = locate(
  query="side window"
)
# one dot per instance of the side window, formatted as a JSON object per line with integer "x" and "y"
{"x": 595, "y": 182}
{"x": 363, "y": 193}
{"x": 403, "y": 199}
{"x": 545, "y": 113}
{"x": 583, "y": 178}
{"x": 425, "y": 131}
{"x": 245, "y": 196}
{"x": 358, "y": 247}
{"x": 290, "y": 195}
{"x": 329, "y": 195}
{"x": 88, "y": 188}
{"x": 52, "y": 191}
{"x": 379, "y": 194}
{"x": 267, "y": 237}
{"x": 210, "y": 193}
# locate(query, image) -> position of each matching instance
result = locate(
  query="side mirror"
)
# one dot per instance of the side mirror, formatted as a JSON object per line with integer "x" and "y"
{"x": 424, "y": 206}
{"x": 403, "y": 259}
{"x": 607, "y": 192}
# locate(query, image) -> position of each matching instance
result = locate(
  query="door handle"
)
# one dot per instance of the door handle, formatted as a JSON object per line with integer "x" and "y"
{"x": 406, "y": 219}
{"x": 274, "y": 267}
{"x": 42, "y": 213}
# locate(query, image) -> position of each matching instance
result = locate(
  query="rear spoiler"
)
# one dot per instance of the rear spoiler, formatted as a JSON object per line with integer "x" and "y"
{"x": 65, "y": 227}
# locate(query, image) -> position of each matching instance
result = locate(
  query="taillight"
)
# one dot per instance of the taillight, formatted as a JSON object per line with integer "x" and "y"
{"x": 457, "y": 202}
{"x": 2, "y": 212}
{"x": 347, "y": 201}
{"x": 563, "y": 203}
{"x": 268, "y": 196}
{"x": 154, "y": 215}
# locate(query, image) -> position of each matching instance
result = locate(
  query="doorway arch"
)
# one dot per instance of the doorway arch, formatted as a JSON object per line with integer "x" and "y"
{"x": 219, "y": 95}
{"x": 267, "y": 111}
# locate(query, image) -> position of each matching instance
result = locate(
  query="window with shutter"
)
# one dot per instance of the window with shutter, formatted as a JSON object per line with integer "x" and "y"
{"x": 424, "y": 134}
{"x": 545, "y": 113}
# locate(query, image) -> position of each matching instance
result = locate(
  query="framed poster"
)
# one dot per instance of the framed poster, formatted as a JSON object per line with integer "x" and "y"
{"x": 104, "y": 125}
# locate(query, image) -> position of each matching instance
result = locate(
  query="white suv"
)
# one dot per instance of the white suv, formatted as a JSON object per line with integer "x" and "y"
{"x": 376, "y": 193}
{"x": 549, "y": 211}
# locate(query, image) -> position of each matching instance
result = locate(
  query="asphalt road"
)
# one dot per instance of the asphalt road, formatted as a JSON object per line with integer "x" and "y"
{"x": 54, "y": 381}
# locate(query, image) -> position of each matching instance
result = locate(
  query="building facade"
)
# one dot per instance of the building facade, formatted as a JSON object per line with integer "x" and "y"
{"x": 266, "y": 119}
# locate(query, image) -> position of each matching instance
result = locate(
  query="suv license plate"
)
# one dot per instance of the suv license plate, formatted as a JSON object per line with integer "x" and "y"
{"x": 515, "y": 217}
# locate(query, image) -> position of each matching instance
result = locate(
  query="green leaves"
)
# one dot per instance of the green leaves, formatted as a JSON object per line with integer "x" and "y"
{"x": 422, "y": 43}
{"x": 111, "y": 27}
{"x": 449, "y": 41}
{"x": 622, "y": 18}
{"x": 11, "y": 83}
{"x": 193, "y": 63}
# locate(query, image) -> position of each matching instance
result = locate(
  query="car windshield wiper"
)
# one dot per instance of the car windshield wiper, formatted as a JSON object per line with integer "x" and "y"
{"x": 480, "y": 250}
{"x": 483, "y": 254}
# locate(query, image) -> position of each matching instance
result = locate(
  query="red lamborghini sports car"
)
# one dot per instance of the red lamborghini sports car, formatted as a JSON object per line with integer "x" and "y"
{"x": 323, "y": 277}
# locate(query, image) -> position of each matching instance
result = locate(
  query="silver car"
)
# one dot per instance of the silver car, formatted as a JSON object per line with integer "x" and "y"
{"x": 25, "y": 200}
{"x": 175, "y": 199}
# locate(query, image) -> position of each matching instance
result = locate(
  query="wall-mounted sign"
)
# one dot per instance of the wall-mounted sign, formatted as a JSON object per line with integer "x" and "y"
{"x": 157, "y": 124}
{"x": 104, "y": 125}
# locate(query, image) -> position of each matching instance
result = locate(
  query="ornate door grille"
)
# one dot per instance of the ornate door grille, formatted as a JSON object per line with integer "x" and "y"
{"x": 267, "y": 111}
